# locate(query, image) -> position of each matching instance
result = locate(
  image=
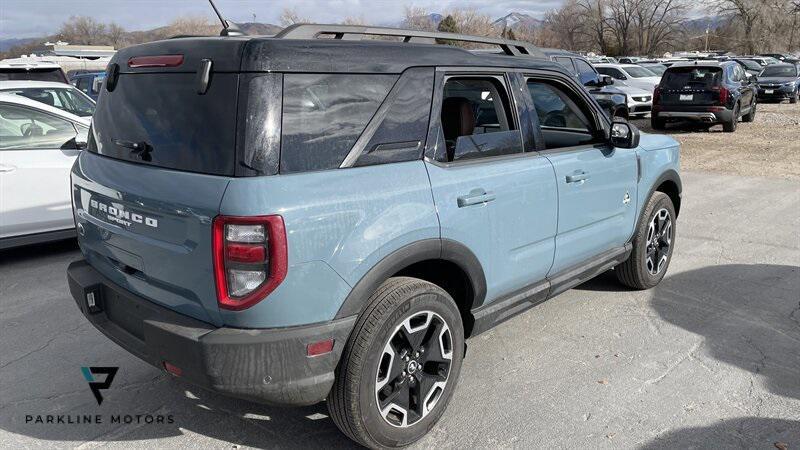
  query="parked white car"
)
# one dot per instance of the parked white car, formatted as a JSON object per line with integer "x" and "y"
{"x": 640, "y": 102}
{"x": 631, "y": 74}
{"x": 38, "y": 145}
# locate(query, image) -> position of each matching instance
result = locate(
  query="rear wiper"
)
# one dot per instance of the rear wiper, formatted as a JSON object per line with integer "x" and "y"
{"x": 141, "y": 149}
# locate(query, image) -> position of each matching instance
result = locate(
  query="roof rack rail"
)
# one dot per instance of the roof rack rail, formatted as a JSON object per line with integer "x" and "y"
{"x": 358, "y": 32}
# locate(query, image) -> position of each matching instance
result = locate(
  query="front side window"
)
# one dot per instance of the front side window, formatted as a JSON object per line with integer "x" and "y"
{"x": 562, "y": 120}
{"x": 26, "y": 128}
{"x": 613, "y": 72}
{"x": 323, "y": 116}
{"x": 477, "y": 120}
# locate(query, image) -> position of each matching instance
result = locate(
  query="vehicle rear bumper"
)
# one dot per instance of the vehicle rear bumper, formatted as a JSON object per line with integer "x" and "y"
{"x": 698, "y": 114}
{"x": 267, "y": 365}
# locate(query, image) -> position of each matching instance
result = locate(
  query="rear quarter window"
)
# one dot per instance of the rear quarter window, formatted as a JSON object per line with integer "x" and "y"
{"x": 323, "y": 116}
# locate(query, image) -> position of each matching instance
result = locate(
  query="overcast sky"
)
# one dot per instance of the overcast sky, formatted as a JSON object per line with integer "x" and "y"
{"x": 32, "y": 18}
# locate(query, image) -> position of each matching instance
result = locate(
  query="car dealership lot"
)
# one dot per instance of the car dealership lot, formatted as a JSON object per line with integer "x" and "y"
{"x": 708, "y": 358}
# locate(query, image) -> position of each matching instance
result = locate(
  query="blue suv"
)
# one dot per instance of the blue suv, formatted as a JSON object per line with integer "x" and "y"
{"x": 316, "y": 216}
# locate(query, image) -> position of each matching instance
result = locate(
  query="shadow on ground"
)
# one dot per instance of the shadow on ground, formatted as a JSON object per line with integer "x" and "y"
{"x": 745, "y": 432}
{"x": 749, "y": 315}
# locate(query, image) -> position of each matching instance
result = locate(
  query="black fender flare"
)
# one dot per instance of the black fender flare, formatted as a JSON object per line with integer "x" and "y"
{"x": 426, "y": 249}
{"x": 668, "y": 175}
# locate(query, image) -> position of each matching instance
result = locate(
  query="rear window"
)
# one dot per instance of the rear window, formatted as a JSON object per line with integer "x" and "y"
{"x": 159, "y": 119}
{"x": 323, "y": 115}
{"x": 695, "y": 77}
{"x": 54, "y": 74}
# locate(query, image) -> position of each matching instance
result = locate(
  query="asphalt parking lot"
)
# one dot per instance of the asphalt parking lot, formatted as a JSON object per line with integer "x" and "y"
{"x": 710, "y": 358}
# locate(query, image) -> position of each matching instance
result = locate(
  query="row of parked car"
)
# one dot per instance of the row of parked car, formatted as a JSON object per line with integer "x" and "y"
{"x": 44, "y": 124}
{"x": 704, "y": 92}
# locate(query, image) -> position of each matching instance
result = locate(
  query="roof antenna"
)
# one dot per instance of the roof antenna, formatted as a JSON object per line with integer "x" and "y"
{"x": 228, "y": 28}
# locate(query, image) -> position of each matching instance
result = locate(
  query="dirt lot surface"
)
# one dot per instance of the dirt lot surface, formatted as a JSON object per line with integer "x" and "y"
{"x": 770, "y": 146}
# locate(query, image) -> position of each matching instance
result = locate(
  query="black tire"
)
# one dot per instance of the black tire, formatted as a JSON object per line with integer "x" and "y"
{"x": 657, "y": 124}
{"x": 750, "y": 116}
{"x": 730, "y": 125}
{"x": 793, "y": 99}
{"x": 635, "y": 272}
{"x": 353, "y": 401}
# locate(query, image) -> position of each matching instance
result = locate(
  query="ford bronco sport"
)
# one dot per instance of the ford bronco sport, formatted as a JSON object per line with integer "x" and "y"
{"x": 316, "y": 216}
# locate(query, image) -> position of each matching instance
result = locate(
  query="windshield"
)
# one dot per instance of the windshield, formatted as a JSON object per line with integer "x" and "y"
{"x": 784, "y": 71}
{"x": 639, "y": 72}
{"x": 657, "y": 69}
{"x": 54, "y": 74}
{"x": 67, "y": 99}
{"x": 696, "y": 77}
{"x": 750, "y": 64}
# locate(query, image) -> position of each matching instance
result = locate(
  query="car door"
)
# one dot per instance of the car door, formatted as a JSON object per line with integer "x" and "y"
{"x": 747, "y": 87}
{"x": 490, "y": 194}
{"x": 37, "y": 150}
{"x": 596, "y": 182}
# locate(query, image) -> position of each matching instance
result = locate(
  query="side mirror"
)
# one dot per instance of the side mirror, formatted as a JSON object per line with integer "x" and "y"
{"x": 82, "y": 139}
{"x": 606, "y": 80}
{"x": 624, "y": 135}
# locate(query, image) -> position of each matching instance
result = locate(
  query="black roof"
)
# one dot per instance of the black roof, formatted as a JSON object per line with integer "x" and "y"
{"x": 261, "y": 54}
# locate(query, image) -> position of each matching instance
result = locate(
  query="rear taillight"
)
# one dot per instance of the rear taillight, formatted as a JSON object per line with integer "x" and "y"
{"x": 657, "y": 95}
{"x": 723, "y": 94}
{"x": 250, "y": 259}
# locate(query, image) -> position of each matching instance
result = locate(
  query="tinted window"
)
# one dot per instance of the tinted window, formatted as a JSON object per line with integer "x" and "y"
{"x": 696, "y": 77}
{"x": 563, "y": 122}
{"x": 163, "y": 114}
{"x": 67, "y": 99}
{"x": 323, "y": 115}
{"x": 26, "y": 128}
{"x": 751, "y": 65}
{"x": 639, "y": 72}
{"x": 566, "y": 62}
{"x": 584, "y": 69}
{"x": 779, "y": 71}
{"x": 53, "y": 74}
{"x": 477, "y": 120}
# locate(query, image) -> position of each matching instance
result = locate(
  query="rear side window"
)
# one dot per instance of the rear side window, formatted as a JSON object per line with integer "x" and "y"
{"x": 323, "y": 116}
{"x": 567, "y": 63}
{"x": 695, "y": 77}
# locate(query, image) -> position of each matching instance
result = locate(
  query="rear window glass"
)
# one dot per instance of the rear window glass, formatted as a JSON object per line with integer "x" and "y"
{"x": 697, "y": 77}
{"x": 159, "y": 119}
{"x": 53, "y": 74}
{"x": 323, "y": 115}
{"x": 67, "y": 99}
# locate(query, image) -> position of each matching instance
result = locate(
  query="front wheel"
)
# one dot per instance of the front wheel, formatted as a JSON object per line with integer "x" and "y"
{"x": 793, "y": 98}
{"x": 652, "y": 245}
{"x": 400, "y": 365}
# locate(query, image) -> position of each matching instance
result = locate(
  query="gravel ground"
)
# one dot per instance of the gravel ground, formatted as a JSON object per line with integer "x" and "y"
{"x": 769, "y": 146}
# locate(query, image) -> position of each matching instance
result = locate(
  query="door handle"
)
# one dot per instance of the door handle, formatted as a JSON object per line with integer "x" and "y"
{"x": 578, "y": 176}
{"x": 5, "y": 168}
{"x": 475, "y": 197}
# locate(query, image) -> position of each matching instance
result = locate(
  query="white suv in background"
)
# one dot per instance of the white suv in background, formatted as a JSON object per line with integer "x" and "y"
{"x": 38, "y": 145}
{"x": 631, "y": 75}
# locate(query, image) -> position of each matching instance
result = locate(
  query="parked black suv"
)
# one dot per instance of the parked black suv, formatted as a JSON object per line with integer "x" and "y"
{"x": 613, "y": 100}
{"x": 707, "y": 92}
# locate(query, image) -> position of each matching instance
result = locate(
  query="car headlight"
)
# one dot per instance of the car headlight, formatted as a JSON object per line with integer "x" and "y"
{"x": 789, "y": 84}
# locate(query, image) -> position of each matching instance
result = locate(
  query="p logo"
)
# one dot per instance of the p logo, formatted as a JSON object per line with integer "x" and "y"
{"x": 96, "y": 386}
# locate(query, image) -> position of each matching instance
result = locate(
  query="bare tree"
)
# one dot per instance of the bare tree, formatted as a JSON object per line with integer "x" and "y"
{"x": 415, "y": 18}
{"x": 290, "y": 16}
{"x": 82, "y": 30}
{"x": 749, "y": 14}
{"x": 595, "y": 22}
{"x": 566, "y": 26}
{"x": 115, "y": 35}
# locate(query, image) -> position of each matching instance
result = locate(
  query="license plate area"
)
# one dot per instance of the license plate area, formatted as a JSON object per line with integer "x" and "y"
{"x": 686, "y": 97}
{"x": 769, "y": 91}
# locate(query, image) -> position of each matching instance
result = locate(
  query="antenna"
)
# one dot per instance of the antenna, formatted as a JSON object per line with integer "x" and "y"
{"x": 228, "y": 28}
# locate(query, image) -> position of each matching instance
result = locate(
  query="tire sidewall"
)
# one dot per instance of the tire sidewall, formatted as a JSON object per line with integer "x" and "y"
{"x": 378, "y": 429}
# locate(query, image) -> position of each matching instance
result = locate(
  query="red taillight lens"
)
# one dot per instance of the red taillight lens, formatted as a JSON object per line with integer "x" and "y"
{"x": 723, "y": 94}
{"x": 155, "y": 61}
{"x": 657, "y": 95}
{"x": 250, "y": 259}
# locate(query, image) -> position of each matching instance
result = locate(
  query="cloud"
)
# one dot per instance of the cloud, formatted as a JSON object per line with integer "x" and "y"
{"x": 33, "y": 18}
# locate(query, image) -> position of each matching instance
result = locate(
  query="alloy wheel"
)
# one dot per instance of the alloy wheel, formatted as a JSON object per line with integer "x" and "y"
{"x": 413, "y": 369}
{"x": 659, "y": 241}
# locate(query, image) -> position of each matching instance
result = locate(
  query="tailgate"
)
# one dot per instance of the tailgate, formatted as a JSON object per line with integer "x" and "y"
{"x": 149, "y": 230}
{"x": 691, "y": 86}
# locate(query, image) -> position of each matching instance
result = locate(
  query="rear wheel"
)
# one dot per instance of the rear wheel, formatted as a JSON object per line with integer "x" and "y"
{"x": 652, "y": 245}
{"x": 730, "y": 125}
{"x": 657, "y": 124}
{"x": 794, "y": 98}
{"x": 400, "y": 365}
